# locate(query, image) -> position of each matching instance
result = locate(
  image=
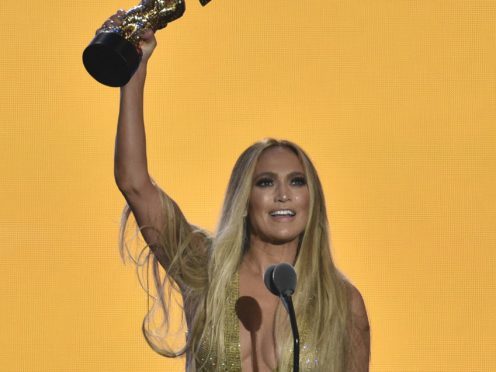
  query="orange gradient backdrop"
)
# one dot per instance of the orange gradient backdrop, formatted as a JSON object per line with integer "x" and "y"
{"x": 395, "y": 101}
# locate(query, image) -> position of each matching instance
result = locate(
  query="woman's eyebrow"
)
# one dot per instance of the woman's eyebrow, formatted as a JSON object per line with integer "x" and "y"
{"x": 274, "y": 175}
{"x": 265, "y": 174}
{"x": 296, "y": 173}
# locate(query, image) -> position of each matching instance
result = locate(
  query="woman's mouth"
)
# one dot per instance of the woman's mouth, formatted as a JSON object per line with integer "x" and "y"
{"x": 282, "y": 213}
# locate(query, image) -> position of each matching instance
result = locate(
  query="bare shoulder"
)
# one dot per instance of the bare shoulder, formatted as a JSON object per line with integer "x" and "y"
{"x": 359, "y": 332}
{"x": 358, "y": 309}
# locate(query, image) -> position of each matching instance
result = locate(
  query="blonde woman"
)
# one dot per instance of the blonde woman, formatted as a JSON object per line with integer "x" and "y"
{"x": 274, "y": 211}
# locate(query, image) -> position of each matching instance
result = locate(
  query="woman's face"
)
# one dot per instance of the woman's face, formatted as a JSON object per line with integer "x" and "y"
{"x": 279, "y": 200}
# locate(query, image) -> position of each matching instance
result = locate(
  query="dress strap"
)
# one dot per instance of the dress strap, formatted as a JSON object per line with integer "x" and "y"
{"x": 231, "y": 328}
{"x": 207, "y": 361}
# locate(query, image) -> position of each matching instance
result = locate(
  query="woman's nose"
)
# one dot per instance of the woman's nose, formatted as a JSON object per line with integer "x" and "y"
{"x": 282, "y": 194}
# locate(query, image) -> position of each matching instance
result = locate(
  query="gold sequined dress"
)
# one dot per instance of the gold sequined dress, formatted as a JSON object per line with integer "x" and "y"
{"x": 232, "y": 355}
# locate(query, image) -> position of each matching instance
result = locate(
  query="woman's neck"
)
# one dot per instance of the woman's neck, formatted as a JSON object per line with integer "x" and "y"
{"x": 262, "y": 254}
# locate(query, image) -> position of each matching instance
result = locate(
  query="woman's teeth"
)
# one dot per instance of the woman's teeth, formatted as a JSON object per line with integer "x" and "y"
{"x": 283, "y": 212}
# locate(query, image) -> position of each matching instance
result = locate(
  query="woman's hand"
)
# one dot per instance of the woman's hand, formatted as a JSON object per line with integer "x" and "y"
{"x": 147, "y": 43}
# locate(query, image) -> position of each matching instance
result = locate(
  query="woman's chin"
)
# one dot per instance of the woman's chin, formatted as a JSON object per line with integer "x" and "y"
{"x": 282, "y": 239}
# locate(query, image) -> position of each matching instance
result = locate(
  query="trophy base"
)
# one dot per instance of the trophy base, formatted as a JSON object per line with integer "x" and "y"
{"x": 111, "y": 59}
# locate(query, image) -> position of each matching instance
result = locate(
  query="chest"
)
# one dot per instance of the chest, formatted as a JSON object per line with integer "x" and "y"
{"x": 256, "y": 309}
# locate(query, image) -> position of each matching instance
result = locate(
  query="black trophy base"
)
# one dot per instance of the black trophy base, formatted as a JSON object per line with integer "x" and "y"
{"x": 111, "y": 59}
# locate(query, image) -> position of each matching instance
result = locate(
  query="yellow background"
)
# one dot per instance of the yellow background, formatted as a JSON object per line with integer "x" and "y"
{"x": 394, "y": 101}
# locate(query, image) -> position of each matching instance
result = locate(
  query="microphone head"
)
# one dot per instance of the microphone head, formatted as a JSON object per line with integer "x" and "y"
{"x": 269, "y": 283}
{"x": 280, "y": 279}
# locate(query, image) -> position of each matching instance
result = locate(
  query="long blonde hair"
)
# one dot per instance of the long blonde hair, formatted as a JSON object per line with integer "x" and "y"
{"x": 321, "y": 301}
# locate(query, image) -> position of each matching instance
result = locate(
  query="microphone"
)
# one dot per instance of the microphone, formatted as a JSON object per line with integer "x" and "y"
{"x": 280, "y": 280}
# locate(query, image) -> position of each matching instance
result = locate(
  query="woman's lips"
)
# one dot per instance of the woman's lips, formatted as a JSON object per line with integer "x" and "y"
{"x": 283, "y": 215}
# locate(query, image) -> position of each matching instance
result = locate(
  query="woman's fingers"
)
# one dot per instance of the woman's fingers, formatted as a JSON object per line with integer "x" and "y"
{"x": 147, "y": 44}
{"x": 147, "y": 35}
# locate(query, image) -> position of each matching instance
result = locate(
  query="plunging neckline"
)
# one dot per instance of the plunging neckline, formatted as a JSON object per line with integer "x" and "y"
{"x": 232, "y": 352}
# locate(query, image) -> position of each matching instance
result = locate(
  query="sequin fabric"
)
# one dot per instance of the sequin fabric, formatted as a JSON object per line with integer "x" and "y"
{"x": 232, "y": 356}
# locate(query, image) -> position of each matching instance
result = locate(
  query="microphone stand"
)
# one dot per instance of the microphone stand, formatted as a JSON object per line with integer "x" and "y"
{"x": 288, "y": 304}
{"x": 280, "y": 280}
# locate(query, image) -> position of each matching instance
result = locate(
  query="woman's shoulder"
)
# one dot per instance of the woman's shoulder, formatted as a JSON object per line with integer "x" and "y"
{"x": 357, "y": 307}
{"x": 359, "y": 331}
{"x": 356, "y": 298}
{"x": 359, "y": 321}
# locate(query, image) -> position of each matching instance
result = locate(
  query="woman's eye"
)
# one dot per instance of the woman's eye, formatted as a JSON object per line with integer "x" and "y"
{"x": 264, "y": 182}
{"x": 299, "y": 181}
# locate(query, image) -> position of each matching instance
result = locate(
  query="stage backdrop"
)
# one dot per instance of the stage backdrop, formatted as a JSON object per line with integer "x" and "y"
{"x": 393, "y": 100}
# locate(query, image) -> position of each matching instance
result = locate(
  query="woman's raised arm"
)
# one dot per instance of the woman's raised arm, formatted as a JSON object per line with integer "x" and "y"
{"x": 130, "y": 163}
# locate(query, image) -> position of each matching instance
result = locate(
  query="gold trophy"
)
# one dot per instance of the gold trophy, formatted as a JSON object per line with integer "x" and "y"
{"x": 113, "y": 55}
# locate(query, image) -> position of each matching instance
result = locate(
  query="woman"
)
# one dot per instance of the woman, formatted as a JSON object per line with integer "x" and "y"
{"x": 274, "y": 211}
